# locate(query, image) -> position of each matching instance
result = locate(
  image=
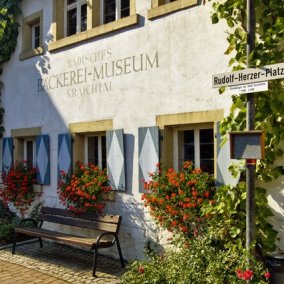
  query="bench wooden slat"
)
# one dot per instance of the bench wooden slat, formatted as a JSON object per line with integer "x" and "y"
{"x": 88, "y": 242}
{"x": 79, "y": 222}
{"x": 87, "y": 215}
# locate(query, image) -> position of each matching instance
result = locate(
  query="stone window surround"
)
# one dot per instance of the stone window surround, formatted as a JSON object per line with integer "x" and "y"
{"x": 80, "y": 129}
{"x": 168, "y": 122}
{"x": 19, "y": 136}
{"x": 27, "y": 23}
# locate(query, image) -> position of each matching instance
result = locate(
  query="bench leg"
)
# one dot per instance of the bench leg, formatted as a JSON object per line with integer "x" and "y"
{"x": 14, "y": 243}
{"x": 119, "y": 252}
{"x": 40, "y": 242}
{"x": 95, "y": 262}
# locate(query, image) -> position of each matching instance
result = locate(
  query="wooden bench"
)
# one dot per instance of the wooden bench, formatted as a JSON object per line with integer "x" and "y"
{"x": 104, "y": 228}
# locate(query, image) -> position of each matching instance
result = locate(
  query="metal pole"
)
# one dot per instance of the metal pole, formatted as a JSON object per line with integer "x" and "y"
{"x": 250, "y": 166}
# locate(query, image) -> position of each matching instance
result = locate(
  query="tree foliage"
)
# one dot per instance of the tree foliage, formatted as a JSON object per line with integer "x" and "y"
{"x": 9, "y": 10}
{"x": 269, "y": 49}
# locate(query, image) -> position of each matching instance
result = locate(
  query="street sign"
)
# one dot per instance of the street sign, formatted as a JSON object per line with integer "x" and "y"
{"x": 247, "y": 88}
{"x": 250, "y": 75}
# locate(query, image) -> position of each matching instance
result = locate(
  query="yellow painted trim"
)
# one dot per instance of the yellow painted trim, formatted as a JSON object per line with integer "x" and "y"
{"x": 31, "y": 53}
{"x": 157, "y": 11}
{"x": 91, "y": 126}
{"x": 78, "y": 148}
{"x": 189, "y": 117}
{"x": 19, "y": 149}
{"x": 95, "y": 32}
{"x": 25, "y": 132}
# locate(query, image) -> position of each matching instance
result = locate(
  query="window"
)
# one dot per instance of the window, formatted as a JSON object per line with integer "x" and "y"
{"x": 85, "y": 19}
{"x": 190, "y": 136}
{"x": 35, "y": 35}
{"x": 32, "y": 35}
{"x": 95, "y": 150}
{"x": 75, "y": 16}
{"x": 29, "y": 151}
{"x": 92, "y": 141}
{"x": 196, "y": 144}
{"x": 25, "y": 144}
{"x": 113, "y": 10}
{"x": 163, "y": 7}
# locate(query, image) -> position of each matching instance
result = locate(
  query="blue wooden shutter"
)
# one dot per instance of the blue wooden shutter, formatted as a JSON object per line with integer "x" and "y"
{"x": 115, "y": 159}
{"x": 64, "y": 153}
{"x": 148, "y": 147}
{"x": 43, "y": 159}
{"x": 7, "y": 154}
{"x": 223, "y": 175}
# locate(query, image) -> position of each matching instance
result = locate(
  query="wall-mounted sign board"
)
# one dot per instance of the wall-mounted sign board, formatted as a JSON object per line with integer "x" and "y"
{"x": 249, "y": 75}
{"x": 247, "y": 144}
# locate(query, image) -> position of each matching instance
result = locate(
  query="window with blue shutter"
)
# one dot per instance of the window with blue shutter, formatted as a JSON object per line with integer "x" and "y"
{"x": 148, "y": 147}
{"x": 7, "y": 154}
{"x": 115, "y": 159}
{"x": 43, "y": 159}
{"x": 64, "y": 153}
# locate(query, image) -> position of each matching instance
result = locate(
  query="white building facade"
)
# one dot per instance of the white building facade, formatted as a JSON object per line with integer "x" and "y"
{"x": 123, "y": 84}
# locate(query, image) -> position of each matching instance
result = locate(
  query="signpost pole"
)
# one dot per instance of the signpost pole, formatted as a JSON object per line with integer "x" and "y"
{"x": 250, "y": 164}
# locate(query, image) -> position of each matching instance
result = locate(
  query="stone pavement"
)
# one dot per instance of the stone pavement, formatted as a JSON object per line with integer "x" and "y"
{"x": 55, "y": 264}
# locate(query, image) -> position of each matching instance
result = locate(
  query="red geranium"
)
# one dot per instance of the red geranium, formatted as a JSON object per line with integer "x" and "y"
{"x": 81, "y": 190}
{"x": 18, "y": 186}
{"x": 175, "y": 198}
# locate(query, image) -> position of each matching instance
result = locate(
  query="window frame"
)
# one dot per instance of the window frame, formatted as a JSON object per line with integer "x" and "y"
{"x": 94, "y": 26}
{"x": 100, "y": 148}
{"x": 25, "y": 150}
{"x": 78, "y": 5}
{"x": 28, "y": 24}
{"x": 164, "y": 7}
{"x": 117, "y": 11}
{"x": 81, "y": 130}
{"x": 20, "y": 137}
{"x": 176, "y": 143}
{"x": 34, "y": 37}
{"x": 167, "y": 122}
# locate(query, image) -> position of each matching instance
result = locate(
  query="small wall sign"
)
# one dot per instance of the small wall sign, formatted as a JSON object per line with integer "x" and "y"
{"x": 247, "y": 144}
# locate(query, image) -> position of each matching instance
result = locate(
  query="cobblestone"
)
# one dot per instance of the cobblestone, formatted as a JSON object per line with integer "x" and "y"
{"x": 55, "y": 264}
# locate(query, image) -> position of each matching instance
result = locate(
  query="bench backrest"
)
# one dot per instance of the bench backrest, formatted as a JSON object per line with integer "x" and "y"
{"x": 89, "y": 220}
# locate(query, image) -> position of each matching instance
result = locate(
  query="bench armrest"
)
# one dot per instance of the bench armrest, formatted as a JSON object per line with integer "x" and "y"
{"x": 105, "y": 234}
{"x": 26, "y": 220}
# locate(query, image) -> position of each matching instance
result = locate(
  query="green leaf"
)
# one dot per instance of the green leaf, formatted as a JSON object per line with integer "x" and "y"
{"x": 215, "y": 18}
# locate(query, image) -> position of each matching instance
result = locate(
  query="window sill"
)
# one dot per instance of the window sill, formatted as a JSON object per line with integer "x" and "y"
{"x": 97, "y": 31}
{"x": 170, "y": 8}
{"x": 31, "y": 53}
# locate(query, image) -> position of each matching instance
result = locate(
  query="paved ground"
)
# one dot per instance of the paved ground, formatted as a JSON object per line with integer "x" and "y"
{"x": 55, "y": 264}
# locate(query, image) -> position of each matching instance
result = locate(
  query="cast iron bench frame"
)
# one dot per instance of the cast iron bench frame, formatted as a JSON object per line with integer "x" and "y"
{"x": 104, "y": 227}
